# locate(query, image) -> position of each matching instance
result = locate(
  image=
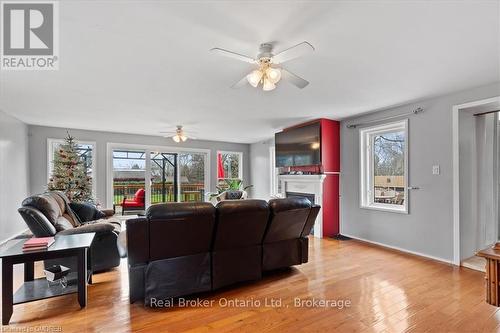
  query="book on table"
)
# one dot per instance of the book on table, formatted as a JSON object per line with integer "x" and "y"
{"x": 38, "y": 243}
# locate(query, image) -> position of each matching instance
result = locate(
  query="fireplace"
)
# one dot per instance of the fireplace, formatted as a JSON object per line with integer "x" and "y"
{"x": 309, "y": 196}
{"x": 306, "y": 186}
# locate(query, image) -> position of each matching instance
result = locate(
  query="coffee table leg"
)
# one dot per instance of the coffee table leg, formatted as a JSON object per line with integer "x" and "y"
{"x": 29, "y": 271}
{"x": 82, "y": 277}
{"x": 7, "y": 296}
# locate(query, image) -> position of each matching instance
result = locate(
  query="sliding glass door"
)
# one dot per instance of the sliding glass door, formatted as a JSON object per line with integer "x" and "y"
{"x": 161, "y": 174}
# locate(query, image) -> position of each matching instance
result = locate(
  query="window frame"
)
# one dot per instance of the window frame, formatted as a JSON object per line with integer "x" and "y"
{"x": 50, "y": 157}
{"x": 366, "y": 166}
{"x": 240, "y": 164}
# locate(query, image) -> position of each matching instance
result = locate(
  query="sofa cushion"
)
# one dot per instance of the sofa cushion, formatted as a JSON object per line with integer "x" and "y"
{"x": 63, "y": 202}
{"x": 63, "y": 223}
{"x": 86, "y": 211}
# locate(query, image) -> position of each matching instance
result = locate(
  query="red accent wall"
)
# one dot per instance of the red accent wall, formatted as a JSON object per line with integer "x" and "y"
{"x": 330, "y": 163}
{"x": 331, "y": 206}
{"x": 330, "y": 147}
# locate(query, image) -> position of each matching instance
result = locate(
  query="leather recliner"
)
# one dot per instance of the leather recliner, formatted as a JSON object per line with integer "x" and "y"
{"x": 49, "y": 214}
{"x": 169, "y": 251}
{"x": 237, "y": 248}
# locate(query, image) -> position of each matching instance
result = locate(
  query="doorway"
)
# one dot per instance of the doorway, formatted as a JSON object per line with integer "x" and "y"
{"x": 164, "y": 185}
{"x": 476, "y": 180}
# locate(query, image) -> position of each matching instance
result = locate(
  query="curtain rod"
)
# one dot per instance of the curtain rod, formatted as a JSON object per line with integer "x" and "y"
{"x": 484, "y": 113}
{"x": 416, "y": 111}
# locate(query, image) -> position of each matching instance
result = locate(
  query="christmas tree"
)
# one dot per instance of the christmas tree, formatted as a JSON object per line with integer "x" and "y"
{"x": 70, "y": 174}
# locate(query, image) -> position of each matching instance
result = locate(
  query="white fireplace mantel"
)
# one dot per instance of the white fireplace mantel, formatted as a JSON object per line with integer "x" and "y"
{"x": 307, "y": 184}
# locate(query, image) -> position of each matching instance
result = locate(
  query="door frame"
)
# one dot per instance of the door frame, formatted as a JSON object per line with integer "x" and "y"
{"x": 456, "y": 170}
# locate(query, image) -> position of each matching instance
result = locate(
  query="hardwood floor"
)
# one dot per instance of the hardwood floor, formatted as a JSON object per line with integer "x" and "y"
{"x": 389, "y": 292}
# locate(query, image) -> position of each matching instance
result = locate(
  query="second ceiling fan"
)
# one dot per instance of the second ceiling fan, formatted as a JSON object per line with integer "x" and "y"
{"x": 270, "y": 71}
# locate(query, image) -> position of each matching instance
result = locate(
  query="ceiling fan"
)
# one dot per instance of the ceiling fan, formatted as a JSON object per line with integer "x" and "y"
{"x": 270, "y": 71}
{"x": 179, "y": 135}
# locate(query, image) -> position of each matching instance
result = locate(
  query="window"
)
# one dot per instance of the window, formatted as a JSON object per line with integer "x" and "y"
{"x": 384, "y": 167}
{"x": 192, "y": 180}
{"x": 86, "y": 151}
{"x": 229, "y": 165}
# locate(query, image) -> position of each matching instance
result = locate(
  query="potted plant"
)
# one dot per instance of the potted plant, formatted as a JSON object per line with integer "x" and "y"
{"x": 228, "y": 185}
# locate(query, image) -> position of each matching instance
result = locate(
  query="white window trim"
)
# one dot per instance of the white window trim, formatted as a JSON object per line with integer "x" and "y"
{"x": 240, "y": 163}
{"x": 366, "y": 166}
{"x": 50, "y": 156}
{"x": 273, "y": 190}
{"x": 148, "y": 149}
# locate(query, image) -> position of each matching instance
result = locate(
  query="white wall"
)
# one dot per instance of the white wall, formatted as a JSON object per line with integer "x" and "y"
{"x": 13, "y": 174}
{"x": 38, "y": 152}
{"x": 260, "y": 169}
{"x": 428, "y": 228}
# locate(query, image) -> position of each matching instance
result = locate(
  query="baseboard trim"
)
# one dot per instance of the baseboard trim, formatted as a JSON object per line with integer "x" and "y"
{"x": 400, "y": 249}
{"x": 13, "y": 236}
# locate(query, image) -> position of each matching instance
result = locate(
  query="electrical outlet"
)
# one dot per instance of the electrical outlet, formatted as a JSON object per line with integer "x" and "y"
{"x": 435, "y": 170}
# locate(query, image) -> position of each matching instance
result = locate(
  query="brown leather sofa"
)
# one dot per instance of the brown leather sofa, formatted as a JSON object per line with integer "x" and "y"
{"x": 179, "y": 249}
{"x": 49, "y": 214}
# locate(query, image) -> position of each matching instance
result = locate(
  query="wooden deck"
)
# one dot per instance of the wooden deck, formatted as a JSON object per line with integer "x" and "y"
{"x": 389, "y": 292}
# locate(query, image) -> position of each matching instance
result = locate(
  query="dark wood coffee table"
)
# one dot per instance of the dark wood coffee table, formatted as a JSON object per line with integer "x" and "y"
{"x": 36, "y": 289}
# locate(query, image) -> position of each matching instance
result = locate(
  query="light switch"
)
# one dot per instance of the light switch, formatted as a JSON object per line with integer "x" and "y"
{"x": 435, "y": 170}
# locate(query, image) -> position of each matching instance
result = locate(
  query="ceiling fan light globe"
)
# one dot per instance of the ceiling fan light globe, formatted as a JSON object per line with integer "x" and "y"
{"x": 183, "y": 138}
{"x": 254, "y": 78}
{"x": 268, "y": 85}
{"x": 273, "y": 74}
{"x": 176, "y": 138}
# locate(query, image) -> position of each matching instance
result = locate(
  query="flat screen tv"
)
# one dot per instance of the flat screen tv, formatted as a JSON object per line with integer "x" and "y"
{"x": 300, "y": 146}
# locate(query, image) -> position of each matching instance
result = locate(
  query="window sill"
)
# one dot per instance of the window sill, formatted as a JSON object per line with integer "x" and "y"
{"x": 387, "y": 208}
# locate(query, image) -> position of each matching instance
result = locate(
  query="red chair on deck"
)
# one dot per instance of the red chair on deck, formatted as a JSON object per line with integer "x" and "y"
{"x": 136, "y": 203}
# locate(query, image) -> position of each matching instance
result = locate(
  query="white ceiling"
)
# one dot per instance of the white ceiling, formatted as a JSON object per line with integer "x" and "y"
{"x": 144, "y": 66}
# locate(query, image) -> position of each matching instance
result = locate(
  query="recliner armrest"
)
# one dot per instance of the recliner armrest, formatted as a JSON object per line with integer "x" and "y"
{"x": 108, "y": 212}
{"x": 98, "y": 228}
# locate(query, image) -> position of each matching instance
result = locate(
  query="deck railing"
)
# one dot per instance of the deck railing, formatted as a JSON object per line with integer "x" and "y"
{"x": 188, "y": 192}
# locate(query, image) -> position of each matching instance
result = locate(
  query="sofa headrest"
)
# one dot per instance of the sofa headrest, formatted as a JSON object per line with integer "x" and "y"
{"x": 47, "y": 204}
{"x": 237, "y": 206}
{"x": 280, "y": 205}
{"x": 176, "y": 210}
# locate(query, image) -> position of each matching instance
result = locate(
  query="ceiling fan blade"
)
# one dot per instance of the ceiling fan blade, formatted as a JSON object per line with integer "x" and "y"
{"x": 240, "y": 83}
{"x": 293, "y": 79}
{"x": 233, "y": 55}
{"x": 292, "y": 53}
